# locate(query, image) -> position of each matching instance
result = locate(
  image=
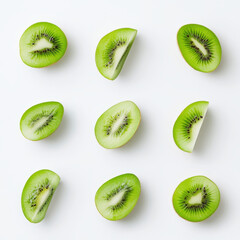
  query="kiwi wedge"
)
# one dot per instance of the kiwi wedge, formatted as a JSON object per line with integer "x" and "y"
{"x": 116, "y": 198}
{"x": 37, "y": 194}
{"x": 196, "y": 198}
{"x": 41, "y": 120}
{"x": 188, "y": 125}
{"x": 200, "y": 47}
{"x": 42, "y": 44}
{"x": 118, "y": 124}
{"x": 112, "y": 51}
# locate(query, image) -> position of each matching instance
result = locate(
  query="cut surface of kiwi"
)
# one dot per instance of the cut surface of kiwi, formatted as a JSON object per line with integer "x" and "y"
{"x": 188, "y": 125}
{"x": 200, "y": 47}
{"x": 118, "y": 124}
{"x": 196, "y": 198}
{"x": 42, "y": 44}
{"x": 116, "y": 198}
{"x": 37, "y": 194}
{"x": 112, "y": 51}
{"x": 41, "y": 120}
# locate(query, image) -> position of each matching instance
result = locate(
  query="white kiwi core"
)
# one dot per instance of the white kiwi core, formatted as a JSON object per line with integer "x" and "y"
{"x": 118, "y": 123}
{"x": 200, "y": 46}
{"x": 41, "y": 199}
{"x": 196, "y": 199}
{"x": 41, "y": 44}
{"x": 117, "y": 198}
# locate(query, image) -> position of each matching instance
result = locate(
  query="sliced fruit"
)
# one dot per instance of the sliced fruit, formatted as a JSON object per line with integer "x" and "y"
{"x": 196, "y": 198}
{"x": 41, "y": 120}
{"x": 42, "y": 44}
{"x": 188, "y": 125}
{"x": 118, "y": 124}
{"x": 200, "y": 47}
{"x": 116, "y": 198}
{"x": 37, "y": 194}
{"x": 112, "y": 51}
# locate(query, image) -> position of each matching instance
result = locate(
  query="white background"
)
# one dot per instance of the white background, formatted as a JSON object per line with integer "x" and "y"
{"x": 156, "y": 77}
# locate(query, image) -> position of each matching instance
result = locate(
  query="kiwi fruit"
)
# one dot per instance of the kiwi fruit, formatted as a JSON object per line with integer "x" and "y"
{"x": 37, "y": 194}
{"x": 41, "y": 120}
{"x": 116, "y": 198}
{"x": 112, "y": 51}
{"x": 117, "y": 125}
{"x": 42, "y": 44}
{"x": 188, "y": 125}
{"x": 200, "y": 47}
{"x": 196, "y": 198}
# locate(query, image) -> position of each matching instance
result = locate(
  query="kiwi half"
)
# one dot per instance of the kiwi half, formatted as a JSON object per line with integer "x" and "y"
{"x": 196, "y": 198}
{"x": 118, "y": 124}
{"x": 41, "y": 120}
{"x": 116, "y": 198}
{"x": 42, "y": 44}
{"x": 37, "y": 194}
{"x": 200, "y": 47}
{"x": 188, "y": 125}
{"x": 112, "y": 51}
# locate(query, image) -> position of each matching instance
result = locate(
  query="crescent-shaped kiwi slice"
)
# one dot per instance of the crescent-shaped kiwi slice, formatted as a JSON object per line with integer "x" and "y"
{"x": 42, "y": 44}
{"x": 41, "y": 120}
{"x": 200, "y": 47}
{"x": 112, "y": 51}
{"x": 37, "y": 194}
{"x": 118, "y": 124}
{"x": 116, "y": 198}
{"x": 188, "y": 125}
{"x": 196, "y": 198}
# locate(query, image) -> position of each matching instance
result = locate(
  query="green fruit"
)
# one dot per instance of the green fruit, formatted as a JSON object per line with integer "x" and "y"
{"x": 200, "y": 47}
{"x": 196, "y": 198}
{"x": 112, "y": 51}
{"x": 42, "y": 44}
{"x": 37, "y": 194}
{"x": 118, "y": 124}
{"x": 116, "y": 198}
{"x": 188, "y": 125}
{"x": 41, "y": 120}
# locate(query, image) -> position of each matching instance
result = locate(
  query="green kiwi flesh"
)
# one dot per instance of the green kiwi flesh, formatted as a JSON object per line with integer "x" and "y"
{"x": 196, "y": 198}
{"x": 37, "y": 194}
{"x": 200, "y": 47}
{"x": 188, "y": 125}
{"x": 112, "y": 51}
{"x": 42, "y": 44}
{"x": 118, "y": 124}
{"x": 41, "y": 120}
{"x": 116, "y": 198}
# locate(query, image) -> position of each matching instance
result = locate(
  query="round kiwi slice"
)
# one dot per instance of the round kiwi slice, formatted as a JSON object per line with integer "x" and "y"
{"x": 37, "y": 194}
{"x": 196, "y": 198}
{"x": 118, "y": 124}
{"x": 188, "y": 125}
{"x": 41, "y": 120}
{"x": 112, "y": 51}
{"x": 42, "y": 44}
{"x": 116, "y": 198}
{"x": 200, "y": 47}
